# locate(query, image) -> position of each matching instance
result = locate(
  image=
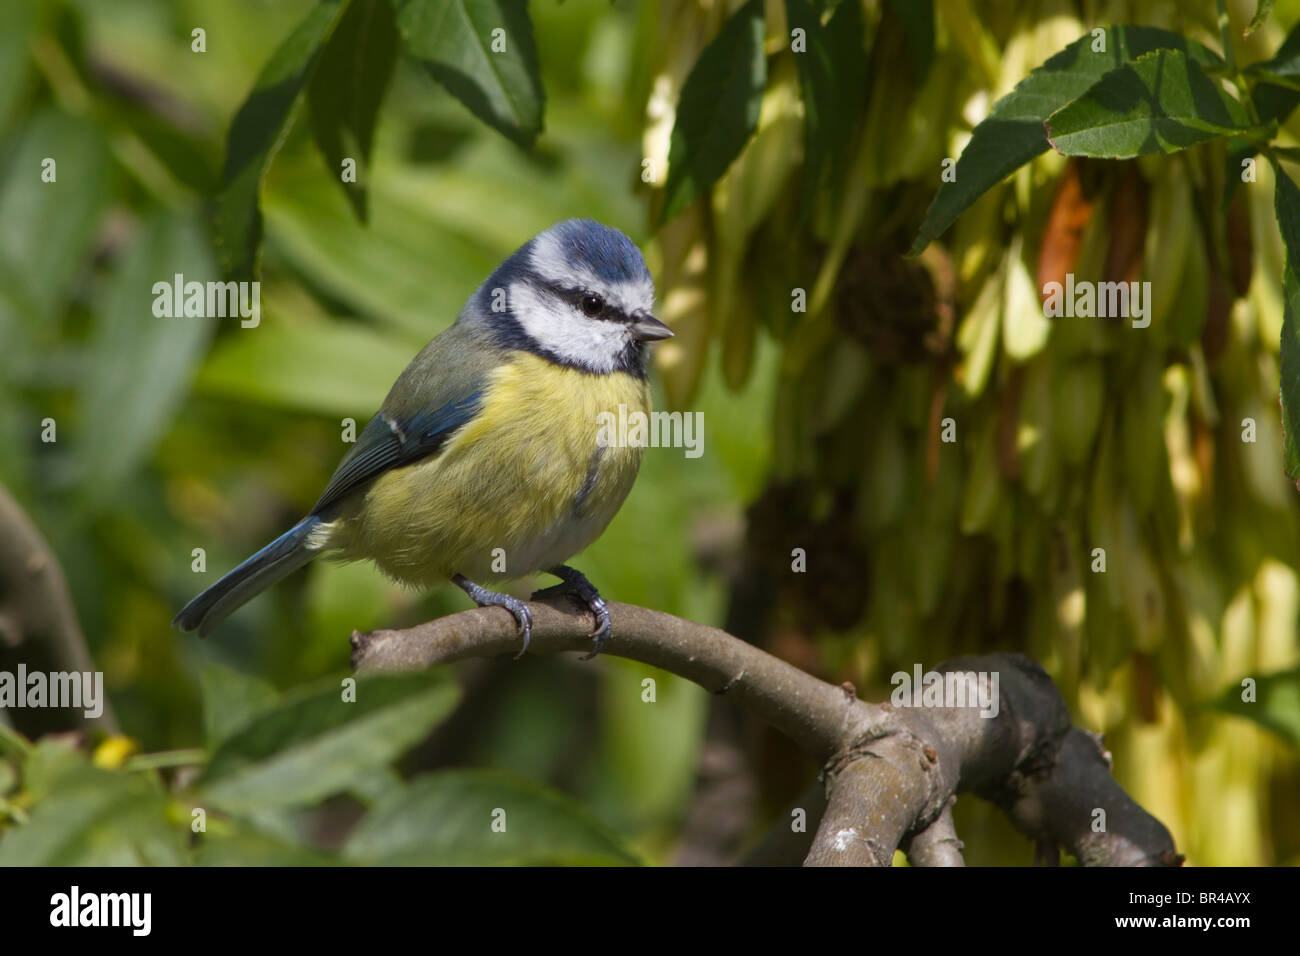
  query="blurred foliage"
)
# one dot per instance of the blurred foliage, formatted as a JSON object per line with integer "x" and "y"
{"x": 775, "y": 194}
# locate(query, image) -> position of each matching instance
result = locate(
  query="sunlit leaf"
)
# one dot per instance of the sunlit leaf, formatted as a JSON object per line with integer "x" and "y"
{"x": 718, "y": 109}
{"x": 256, "y": 134}
{"x": 483, "y": 52}
{"x": 1012, "y": 134}
{"x": 1276, "y": 705}
{"x": 1161, "y": 102}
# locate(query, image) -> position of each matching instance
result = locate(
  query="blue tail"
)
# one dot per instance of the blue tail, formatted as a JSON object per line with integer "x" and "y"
{"x": 278, "y": 559}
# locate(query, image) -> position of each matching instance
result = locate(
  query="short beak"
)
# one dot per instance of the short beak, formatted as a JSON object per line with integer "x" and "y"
{"x": 646, "y": 328}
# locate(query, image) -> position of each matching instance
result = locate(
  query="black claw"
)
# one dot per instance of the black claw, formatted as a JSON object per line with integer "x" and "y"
{"x": 523, "y": 618}
{"x": 576, "y": 583}
{"x": 603, "y": 627}
{"x": 485, "y": 598}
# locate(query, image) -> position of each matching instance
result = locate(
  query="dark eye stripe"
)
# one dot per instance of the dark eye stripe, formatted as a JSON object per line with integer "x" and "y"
{"x": 574, "y": 296}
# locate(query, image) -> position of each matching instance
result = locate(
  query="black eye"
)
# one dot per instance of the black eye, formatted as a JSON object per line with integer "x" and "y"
{"x": 592, "y": 305}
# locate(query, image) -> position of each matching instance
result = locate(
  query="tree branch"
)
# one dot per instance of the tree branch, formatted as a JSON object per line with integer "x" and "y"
{"x": 810, "y": 711}
{"x": 937, "y": 844}
{"x": 890, "y": 773}
{"x": 37, "y": 618}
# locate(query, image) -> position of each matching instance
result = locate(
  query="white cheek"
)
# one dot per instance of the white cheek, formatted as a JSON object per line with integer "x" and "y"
{"x": 558, "y": 328}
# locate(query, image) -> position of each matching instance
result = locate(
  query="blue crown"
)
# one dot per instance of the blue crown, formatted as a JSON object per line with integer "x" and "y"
{"x": 604, "y": 251}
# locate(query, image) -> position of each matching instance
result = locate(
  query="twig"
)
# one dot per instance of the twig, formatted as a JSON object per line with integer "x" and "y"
{"x": 937, "y": 844}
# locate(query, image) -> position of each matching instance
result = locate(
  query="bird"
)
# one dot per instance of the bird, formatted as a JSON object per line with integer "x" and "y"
{"x": 486, "y": 461}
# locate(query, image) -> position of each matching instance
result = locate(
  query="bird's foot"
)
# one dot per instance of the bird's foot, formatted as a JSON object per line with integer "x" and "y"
{"x": 485, "y": 598}
{"x": 576, "y": 583}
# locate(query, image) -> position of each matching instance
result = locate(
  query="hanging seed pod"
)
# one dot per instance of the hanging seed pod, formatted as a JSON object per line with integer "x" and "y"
{"x": 1128, "y": 224}
{"x": 1071, "y": 211}
{"x": 1035, "y": 439}
{"x": 1024, "y": 326}
{"x": 1078, "y": 399}
{"x": 1168, "y": 243}
{"x": 741, "y": 199}
{"x": 684, "y": 304}
{"x": 1241, "y": 251}
{"x": 977, "y": 337}
{"x": 983, "y": 485}
{"x": 1142, "y": 448}
{"x": 1218, "y": 308}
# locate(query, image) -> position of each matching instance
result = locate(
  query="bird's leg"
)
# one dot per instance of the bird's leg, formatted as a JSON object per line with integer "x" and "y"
{"x": 576, "y": 583}
{"x": 485, "y": 598}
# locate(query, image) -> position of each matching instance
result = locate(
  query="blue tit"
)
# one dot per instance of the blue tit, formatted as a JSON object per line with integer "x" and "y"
{"x": 488, "y": 449}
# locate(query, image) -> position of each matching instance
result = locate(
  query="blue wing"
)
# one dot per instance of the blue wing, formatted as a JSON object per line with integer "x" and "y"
{"x": 393, "y": 440}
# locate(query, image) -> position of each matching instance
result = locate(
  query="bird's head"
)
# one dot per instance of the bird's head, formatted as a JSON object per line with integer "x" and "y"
{"x": 579, "y": 294}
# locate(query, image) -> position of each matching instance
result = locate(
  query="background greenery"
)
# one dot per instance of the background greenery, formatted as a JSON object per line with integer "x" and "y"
{"x": 820, "y": 425}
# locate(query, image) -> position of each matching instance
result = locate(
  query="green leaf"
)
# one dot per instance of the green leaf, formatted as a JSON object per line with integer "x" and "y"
{"x": 1273, "y": 103}
{"x": 1283, "y": 67}
{"x": 256, "y": 134}
{"x": 348, "y": 87}
{"x": 20, "y": 24}
{"x": 83, "y": 816}
{"x": 1262, "y": 9}
{"x": 718, "y": 109}
{"x": 1276, "y": 705}
{"x": 454, "y": 40}
{"x": 1012, "y": 134}
{"x": 49, "y": 226}
{"x": 314, "y": 743}
{"x": 409, "y": 268}
{"x": 652, "y": 757}
{"x": 447, "y": 819}
{"x": 917, "y": 17}
{"x": 238, "y": 842}
{"x": 129, "y": 344}
{"x": 1289, "y": 80}
{"x": 188, "y": 156}
{"x": 1161, "y": 102}
{"x": 316, "y": 365}
{"x": 831, "y": 74}
{"x": 231, "y": 700}
{"x": 1286, "y": 204}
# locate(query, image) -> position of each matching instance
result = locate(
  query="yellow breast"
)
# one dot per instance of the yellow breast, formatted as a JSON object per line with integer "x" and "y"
{"x": 522, "y": 487}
